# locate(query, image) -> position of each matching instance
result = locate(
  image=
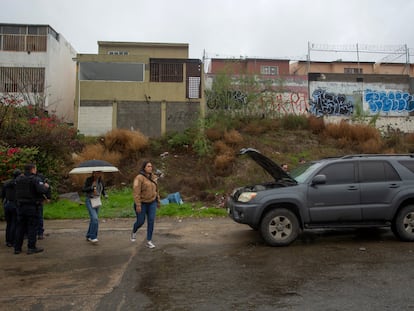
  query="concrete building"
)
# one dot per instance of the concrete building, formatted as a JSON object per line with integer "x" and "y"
{"x": 36, "y": 66}
{"x": 151, "y": 87}
{"x": 336, "y": 90}
{"x": 351, "y": 67}
{"x": 278, "y": 92}
{"x": 251, "y": 66}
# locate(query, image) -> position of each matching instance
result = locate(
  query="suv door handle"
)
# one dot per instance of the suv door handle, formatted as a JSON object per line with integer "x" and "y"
{"x": 352, "y": 188}
{"x": 394, "y": 185}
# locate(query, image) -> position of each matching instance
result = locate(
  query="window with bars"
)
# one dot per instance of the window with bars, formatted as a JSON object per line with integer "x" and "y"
{"x": 22, "y": 79}
{"x": 352, "y": 70}
{"x": 269, "y": 70}
{"x": 23, "y": 38}
{"x": 118, "y": 53}
{"x": 166, "y": 72}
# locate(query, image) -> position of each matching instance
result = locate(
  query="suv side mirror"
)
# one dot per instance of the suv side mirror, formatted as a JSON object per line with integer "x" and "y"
{"x": 319, "y": 180}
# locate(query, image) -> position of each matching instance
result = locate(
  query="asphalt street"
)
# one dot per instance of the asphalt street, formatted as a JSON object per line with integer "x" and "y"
{"x": 206, "y": 264}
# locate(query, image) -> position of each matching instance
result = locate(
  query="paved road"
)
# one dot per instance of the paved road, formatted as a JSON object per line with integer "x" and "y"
{"x": 206, "y": 264}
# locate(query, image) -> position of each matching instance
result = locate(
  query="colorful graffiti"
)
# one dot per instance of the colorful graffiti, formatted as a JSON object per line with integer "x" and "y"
{"x": 324, "y": 103}
{"x": 284, "y": 102}
{"x": 392, "y": 101}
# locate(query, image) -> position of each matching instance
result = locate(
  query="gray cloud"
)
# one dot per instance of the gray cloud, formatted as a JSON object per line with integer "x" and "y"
{"x": 261, "y": 28}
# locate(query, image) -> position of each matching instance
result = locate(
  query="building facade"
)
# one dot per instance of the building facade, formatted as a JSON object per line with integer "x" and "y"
{"x": 151, "y": 87}
{"x": 335, "y": 90}
{"x": 277, "y": 92}
{"x": 37, "y": 67}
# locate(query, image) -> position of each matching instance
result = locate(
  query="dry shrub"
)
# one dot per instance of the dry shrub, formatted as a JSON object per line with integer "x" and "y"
{"x": 214, "y": 134}
{"x": 355, "y": 133}
{"x": 316, "y": 125}
{"x": 343, "y": 143}
{"x": 254, "y": 128}
{"x": 220, "y": 147}
{"x": 97, "y": 151}
{"x": 409, "y": 142}
{"x": 363, "y": 138}
{"x": 370, "y": 146}
{"x": 337, "y": 130}
{"x": 233, "y": 137}
{"x": 223, "y": 164}
{"x": 191, "y": 187}
{"x": 363, "y": 133}
{"x": 125, "y": 141}
{"x": 409, "y": 138}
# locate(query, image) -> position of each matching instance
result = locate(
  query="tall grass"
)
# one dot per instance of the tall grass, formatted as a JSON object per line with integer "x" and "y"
{"x": 120, "y": 205}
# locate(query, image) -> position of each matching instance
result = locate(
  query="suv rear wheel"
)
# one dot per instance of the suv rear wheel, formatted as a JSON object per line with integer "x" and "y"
{"x": 279, "y": 227}
{"x": 403, "y": 226}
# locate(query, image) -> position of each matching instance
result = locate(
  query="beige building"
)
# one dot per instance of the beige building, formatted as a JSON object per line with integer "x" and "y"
{"x": 37, "y": 67}
{"x": 151, "y": 87}
{"x": 346, "y": 67}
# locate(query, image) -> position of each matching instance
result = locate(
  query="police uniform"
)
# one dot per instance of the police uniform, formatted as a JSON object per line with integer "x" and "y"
{"x": 8, "y": 195}
{"x": 29, "y": 196}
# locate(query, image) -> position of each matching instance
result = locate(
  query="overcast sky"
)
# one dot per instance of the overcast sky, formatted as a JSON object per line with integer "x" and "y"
{"x": 224, "y": 28}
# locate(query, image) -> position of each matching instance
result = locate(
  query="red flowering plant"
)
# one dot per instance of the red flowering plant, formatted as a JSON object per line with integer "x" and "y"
{"x": 42, "y": 138}
{"x": 12, "y": 158}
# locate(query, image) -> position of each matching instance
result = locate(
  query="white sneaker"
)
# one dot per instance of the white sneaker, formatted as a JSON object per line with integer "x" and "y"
{"x": 133, "y": 237}
{"x": 150, "y": 244}
{"x": 93, "y": 240}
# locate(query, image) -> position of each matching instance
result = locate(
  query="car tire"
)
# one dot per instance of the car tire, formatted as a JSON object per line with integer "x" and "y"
{"x": 403, "y": 226}
{"x": 279, "y": 227}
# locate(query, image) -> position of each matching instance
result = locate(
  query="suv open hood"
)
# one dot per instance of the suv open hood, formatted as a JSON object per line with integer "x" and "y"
{"x": 271, "y": 167}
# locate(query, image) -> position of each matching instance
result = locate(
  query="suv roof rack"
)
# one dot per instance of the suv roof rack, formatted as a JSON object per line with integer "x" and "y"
{"x": 350, "y": 156}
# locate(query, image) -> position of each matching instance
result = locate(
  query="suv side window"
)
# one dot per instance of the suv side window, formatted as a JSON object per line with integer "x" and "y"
{"x": 408, "y": 164}
{"x": 339, "y": 173}
{"x": 375, "y": 171}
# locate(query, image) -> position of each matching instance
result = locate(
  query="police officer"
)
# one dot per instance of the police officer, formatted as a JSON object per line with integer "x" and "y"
{"x": 29, "y": 195}
{"x": 40, "y": 229}
{"x": 8, "y": 196}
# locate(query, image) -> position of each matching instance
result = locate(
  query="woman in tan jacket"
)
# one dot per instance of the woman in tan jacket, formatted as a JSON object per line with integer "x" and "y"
{"x": 146, "y": 201}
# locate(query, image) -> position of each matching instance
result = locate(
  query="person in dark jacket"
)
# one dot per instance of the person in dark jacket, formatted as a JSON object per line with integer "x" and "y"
{"x": 94, "y": 189}
{"x": 29, "y": 196}
{"x": 47, "y": 196}
{"x": 8, "y": 196}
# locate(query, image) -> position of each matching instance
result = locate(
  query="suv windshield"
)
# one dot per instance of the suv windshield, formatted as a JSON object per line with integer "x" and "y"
{"x": 302, "y": 172}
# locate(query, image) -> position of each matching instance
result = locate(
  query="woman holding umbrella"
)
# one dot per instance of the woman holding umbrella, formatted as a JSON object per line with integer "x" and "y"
{"x": 93, "y": 188}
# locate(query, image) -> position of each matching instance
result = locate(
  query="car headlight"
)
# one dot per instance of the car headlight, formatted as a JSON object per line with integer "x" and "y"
{"x": 246, "y": 196}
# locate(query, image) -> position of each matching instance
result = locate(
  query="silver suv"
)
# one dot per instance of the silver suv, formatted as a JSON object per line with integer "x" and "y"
{"x": 354, "y": 191}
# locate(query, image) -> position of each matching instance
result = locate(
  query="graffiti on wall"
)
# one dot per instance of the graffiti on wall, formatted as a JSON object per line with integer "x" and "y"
{"x": 228, "y": 100}
{"x": 182, "y": 116}
{"x": 284, "y": 102}
{"x": 392, "y": 101}
{"x": 325, "y": 103}
{"x": 270, "y": 101}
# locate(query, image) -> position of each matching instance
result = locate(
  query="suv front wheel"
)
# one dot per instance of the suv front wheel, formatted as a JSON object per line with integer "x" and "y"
{"x": 403, "y": 226}
{"x": 279, "y": 227}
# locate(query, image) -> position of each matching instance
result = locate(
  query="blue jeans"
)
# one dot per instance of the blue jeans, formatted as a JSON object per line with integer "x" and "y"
{"x": 93, "y": 220}
{"x": 147, "y": 209}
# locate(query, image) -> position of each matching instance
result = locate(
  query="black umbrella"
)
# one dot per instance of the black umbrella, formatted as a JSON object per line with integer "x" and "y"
{"x": 90, "y": 166}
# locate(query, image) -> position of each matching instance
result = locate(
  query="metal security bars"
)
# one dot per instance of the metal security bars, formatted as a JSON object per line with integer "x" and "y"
{"x": 166, "y": 72}
{"x": 22, "y": 79}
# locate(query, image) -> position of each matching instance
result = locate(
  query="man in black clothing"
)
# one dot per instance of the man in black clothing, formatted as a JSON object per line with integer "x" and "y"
{"x": 29, "y": 195}
{"x": 8, "y": 196}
